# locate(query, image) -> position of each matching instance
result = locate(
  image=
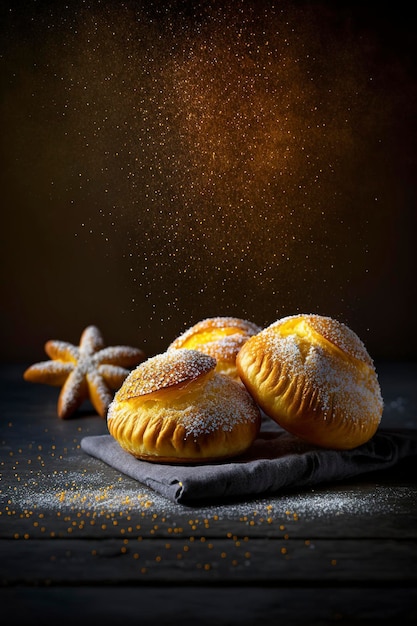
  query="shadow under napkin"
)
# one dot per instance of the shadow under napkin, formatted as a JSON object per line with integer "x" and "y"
{"x": 277, "y": 460}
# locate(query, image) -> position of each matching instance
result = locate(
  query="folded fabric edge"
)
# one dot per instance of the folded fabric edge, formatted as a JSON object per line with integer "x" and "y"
{"x": 106, "y": 449}
{"x": 370, "y": 457}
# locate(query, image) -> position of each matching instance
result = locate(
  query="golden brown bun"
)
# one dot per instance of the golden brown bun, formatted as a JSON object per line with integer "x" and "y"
{"x": 315, "y": 378}
{"x": 175, "y": 408}
{"x": 219, "y": 337}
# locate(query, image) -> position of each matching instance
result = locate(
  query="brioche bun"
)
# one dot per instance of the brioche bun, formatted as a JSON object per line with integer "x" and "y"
{"x": 175, "y": 408}
{"x": 315, "y": 378}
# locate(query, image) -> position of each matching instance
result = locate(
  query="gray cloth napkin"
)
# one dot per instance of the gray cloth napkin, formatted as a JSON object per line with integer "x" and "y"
{"x": 276, "y": 461}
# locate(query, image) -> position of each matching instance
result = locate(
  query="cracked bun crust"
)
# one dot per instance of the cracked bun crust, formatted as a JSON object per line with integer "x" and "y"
{"x": 315, "y": 378}
{"x": 219, "y": 337}
{"x": 175, "y": 408}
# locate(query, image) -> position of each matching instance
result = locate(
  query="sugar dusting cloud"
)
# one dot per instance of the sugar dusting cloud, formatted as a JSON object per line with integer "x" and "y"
{"x": 211, "y": 150}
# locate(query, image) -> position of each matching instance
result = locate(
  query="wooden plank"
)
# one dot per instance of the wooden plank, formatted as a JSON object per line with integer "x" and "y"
{"x": 68, "y": 502}
{"x": 271, "y": 518}
{"x": 227, "y": 605}
{"x": 188, "y": 560}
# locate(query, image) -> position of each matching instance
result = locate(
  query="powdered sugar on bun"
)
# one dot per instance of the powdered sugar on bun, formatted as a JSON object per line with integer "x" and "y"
{"x": 164, "y": 371}
{"x": 314, "y": 377}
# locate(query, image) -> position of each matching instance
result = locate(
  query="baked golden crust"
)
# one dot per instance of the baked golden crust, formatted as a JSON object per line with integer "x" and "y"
{"x": 165, "y": 371}
{"x": 315, "y": 378}
{"x": 174, "y": 408}
{"x": 219, "y": 337}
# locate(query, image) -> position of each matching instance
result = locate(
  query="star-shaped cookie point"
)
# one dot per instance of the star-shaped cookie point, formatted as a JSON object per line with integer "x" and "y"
{"x": 88, "y": 371}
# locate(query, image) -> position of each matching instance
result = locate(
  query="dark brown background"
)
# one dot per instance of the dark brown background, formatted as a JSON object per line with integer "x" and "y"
{"x": 111, "y": 113}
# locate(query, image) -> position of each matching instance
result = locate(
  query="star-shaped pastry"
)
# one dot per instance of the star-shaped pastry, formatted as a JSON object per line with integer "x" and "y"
{"x": 88, "y": 371}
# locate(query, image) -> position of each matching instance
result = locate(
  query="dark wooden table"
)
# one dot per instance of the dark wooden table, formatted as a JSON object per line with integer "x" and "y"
{"x": 80, "y": 541}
